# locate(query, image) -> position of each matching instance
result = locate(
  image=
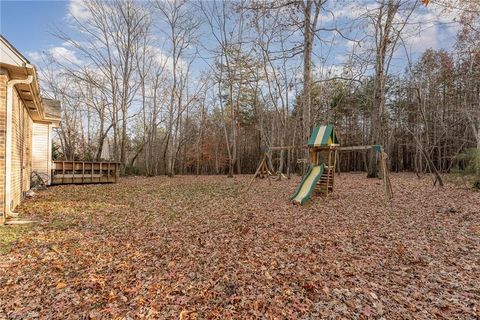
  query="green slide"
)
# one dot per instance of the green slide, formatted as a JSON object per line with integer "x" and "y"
{"x": 309, "y": 181}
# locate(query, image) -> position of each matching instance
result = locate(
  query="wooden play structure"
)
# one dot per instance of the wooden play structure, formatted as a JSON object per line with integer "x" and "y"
{"x": 322, "y": 145}
{"x": 324, "y": 148}
{"x": 78, "y": 172}
{"x": 382, "y": 161}
{"x": 263, "y": 168}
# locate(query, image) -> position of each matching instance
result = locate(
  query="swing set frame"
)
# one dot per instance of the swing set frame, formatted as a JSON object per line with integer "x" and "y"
{"x": 263, "y": 169}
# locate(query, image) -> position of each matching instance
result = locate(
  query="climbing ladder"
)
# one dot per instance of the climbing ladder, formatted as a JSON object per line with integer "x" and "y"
{"x": 325, "y": 184}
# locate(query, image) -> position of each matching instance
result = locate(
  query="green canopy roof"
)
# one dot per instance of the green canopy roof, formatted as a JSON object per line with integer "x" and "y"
{"x": 323, "y": 136}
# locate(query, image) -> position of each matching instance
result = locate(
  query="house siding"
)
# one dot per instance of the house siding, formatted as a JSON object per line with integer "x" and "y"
{"x": 41, "y": 146}
{"x": 27, "y": 151}
{"x": 3, "y": 107}
{"x": 27, "y": 105}
{"x": 21, "y": 151}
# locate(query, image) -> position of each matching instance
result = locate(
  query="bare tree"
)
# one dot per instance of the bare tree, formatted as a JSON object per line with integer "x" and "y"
{"x": 108, "y": 36}
{"x": 182, "y": 26}
{"x": 388, "y": 19}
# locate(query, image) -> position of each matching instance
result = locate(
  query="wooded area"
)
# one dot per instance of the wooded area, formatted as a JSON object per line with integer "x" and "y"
{"x": 203, "y": 87}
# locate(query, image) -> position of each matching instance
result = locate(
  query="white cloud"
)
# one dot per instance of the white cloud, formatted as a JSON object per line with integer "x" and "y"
{"x": 161, "y": 58}
{"x": 34, "y": 56}
{"x": 432, "y": 27}
{"x": 330, "y": 71}
{"x": 67, "y": 44}
{"x": 336, "y": 10}
{"x": 423, "y": 39}
{"x": 77, "y": 9}
{"x": 63, "y": 55}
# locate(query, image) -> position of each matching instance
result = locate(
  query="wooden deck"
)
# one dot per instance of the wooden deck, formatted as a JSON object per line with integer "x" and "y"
{"x": 79, "y": 172}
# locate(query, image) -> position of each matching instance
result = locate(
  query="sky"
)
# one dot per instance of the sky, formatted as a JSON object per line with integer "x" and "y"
{"x": 28, "y": 25}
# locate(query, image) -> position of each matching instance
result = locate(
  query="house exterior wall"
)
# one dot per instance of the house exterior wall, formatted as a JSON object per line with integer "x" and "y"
{"x": 21, "y": 151}
{"x": 3, "y": 107}
{"x": 42, "y": 150}
{"x": 21, "y": 148}
{"x": 27, "y": 151}
{"x": 25, "y": 105}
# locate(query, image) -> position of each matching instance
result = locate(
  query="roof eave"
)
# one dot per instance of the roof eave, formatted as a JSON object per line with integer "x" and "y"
{"x": 29, "y": 93}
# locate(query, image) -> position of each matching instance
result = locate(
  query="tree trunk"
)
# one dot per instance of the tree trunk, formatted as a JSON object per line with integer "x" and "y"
{"x": 307, "y": 70}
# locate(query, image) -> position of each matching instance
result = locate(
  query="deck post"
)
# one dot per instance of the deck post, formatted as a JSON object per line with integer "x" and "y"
{"x": 73, "y": 171}
{"x": 63, "y": 171}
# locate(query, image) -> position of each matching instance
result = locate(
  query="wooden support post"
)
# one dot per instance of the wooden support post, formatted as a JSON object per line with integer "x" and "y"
{"x": 339, "y": 162}
{"x": 260, "y": 165}
{"x": 328, "y": 172}
{"x": 63, "y": 171}
{"x": 334, "y": 167}
{"x": 386, "y": 178}
{"x": 74, "y": 167}
{"x": 268, "y": 173}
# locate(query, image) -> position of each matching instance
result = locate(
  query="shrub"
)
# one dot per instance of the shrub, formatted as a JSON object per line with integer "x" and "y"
{"x": 469, "y": 166}
{"x": 469, "y": 161}
{"x": 476, "y": 184}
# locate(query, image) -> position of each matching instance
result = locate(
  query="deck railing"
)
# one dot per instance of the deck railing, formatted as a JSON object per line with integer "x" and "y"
{"x": 78, "y": 172}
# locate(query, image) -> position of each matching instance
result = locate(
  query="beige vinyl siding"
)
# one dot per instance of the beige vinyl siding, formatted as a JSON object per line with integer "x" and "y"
{"x": 24, "y": 153}
{"x": 27, "y": 150}
{"x": 3, "y": 107}
{"x": 41, "y": 150}
{"x": 21, "y": 149}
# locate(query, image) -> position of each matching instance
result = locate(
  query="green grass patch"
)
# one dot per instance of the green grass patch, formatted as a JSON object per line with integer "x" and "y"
{"x": 464, "y": 180}
{"x": 63, "y": 222}
{"x": 10, "y": 234}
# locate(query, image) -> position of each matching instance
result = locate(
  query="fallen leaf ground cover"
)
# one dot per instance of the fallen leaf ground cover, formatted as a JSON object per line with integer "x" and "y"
{"x": 197, "y": 247}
